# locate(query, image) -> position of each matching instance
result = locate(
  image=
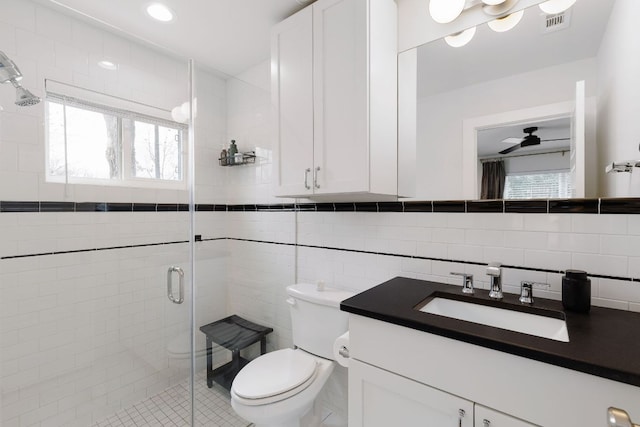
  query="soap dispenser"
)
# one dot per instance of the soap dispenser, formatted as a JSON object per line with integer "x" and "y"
{"x": 233, "y": 150}
{"x": 576, "y": 291}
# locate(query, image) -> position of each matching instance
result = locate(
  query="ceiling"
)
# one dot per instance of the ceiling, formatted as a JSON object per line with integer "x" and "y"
{"x": 491, "y": 55}
{"x": 228, "y": 36}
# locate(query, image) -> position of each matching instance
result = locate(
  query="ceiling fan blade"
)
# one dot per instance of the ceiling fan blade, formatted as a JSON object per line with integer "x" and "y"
{"x": 557, "y": 139}
{"x": 512, "y": 140}
{"x": 510, "y": 149}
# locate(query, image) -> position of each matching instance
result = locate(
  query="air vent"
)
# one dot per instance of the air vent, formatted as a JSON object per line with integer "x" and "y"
{"x": 556, "y": 22}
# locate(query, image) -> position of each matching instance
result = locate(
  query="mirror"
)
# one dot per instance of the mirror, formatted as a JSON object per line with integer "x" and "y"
{"x": 470, "y": 99}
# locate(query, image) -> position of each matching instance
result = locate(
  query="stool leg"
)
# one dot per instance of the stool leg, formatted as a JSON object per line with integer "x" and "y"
{"x": 209, "y": 363}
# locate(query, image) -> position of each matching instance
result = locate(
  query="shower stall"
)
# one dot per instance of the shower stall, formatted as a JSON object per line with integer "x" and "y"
{"x": 118, "y": 240}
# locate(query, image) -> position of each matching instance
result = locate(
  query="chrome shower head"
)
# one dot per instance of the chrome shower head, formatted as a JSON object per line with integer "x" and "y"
{"x": 24, "y": 98}
{"x": 9, "y": 72}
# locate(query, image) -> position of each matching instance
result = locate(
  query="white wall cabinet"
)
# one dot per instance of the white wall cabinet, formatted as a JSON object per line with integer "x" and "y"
{"x": 334, "y": 90}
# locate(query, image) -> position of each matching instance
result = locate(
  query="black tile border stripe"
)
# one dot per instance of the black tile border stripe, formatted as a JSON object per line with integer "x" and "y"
{"x": 199, "y": 239}
{"x": 539, "y": 206}
{"x": 513, "y": 267}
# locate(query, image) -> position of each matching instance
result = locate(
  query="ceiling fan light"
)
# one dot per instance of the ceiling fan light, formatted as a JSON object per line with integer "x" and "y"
{"x": 462, "y": 38}
{"x": 552, "y": 7}
{"x": 445, "y": 11}
{"x": 506, "y": 23}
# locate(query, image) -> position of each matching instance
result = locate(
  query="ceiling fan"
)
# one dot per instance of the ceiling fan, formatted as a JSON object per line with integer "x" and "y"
{"x": 527, "y": 141}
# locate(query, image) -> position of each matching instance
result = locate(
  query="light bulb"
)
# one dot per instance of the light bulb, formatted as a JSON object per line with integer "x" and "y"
{"x": 108, "y": 65}
{"x": 445, "y": 11}
{"x": 552, "y": 7}
{"x": 493, "y": 2}
{"x": 506, "y": 23}
{"x": 462, "y": 38}
{"x": 160, "y": 12}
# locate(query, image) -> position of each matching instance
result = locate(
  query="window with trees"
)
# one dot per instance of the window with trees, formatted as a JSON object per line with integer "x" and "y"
{"x": 99, "y": 144}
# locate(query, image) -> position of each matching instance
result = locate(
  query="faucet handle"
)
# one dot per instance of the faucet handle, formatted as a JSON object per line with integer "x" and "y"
{"x": 526, "y": 292}
{"x": 493, "y": 269}
{"x": 467, "y": 282}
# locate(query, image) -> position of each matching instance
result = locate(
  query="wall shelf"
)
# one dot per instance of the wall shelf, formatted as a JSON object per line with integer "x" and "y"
{"x": 239, "y": 159}
{"x": 624, "y": 166}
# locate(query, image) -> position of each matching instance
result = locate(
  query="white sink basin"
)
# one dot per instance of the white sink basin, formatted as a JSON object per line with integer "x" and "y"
{"x": 526, "y": 323}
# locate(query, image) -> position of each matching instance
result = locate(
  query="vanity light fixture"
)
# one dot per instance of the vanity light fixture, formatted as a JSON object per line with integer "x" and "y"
{"x": 445, "y": 11}
{"x": 461, "y": 38}
{"x": 505, "y": 23}
{"x": 553, "y": 7}
{"x": 160, "y": 12}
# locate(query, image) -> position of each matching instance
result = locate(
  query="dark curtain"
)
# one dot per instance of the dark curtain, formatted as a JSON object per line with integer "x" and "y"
{"x": 493, "y": 176}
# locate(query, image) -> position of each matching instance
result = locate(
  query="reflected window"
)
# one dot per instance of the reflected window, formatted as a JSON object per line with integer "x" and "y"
{"x": 547, "y": 185}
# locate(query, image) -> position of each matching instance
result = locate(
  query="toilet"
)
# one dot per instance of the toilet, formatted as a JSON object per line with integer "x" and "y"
{"x": 279, "y": 388}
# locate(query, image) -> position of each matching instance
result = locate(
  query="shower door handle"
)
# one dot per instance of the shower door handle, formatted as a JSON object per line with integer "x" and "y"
{"x": 170, "y": 272}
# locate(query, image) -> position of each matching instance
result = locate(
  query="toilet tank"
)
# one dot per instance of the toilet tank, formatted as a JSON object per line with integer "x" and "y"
{"x": 316, "y": 319}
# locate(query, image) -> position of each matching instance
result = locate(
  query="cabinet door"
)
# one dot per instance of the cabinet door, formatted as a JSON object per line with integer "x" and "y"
{"x": 341, "y": 150}
{"x": 378, "y": 398}
{"x": 292, "y": 98}
{"x": 486, "y": 417}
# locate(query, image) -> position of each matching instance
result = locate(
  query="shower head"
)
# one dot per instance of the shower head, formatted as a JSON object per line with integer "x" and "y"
{"x": 10, "y": 73}
{"x": 24, "y": 98}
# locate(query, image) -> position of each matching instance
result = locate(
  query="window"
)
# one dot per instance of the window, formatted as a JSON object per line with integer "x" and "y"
{"x": 98, "y": 144}
{"x": 545, "y": 185}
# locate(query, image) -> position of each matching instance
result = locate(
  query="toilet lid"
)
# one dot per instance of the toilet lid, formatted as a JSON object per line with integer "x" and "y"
{"x": 274, "y": 373}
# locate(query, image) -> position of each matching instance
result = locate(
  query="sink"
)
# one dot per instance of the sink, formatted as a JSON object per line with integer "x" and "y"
{"x": 512, "y": 320}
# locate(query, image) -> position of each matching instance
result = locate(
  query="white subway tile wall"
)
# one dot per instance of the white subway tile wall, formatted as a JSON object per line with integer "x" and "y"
{"x": 84, "y": 334}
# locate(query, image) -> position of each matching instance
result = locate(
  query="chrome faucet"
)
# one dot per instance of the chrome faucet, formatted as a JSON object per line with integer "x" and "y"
{"x": 467, "y": 282}
{"x": 526, "y": 292}
{"x": 495, "y": 273}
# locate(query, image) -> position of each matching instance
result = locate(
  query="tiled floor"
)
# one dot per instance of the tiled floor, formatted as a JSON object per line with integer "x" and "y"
{"x": 171, "y": 409}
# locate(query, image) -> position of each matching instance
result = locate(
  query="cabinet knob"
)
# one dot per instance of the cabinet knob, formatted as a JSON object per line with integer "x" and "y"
{"x": 486, "y": 423}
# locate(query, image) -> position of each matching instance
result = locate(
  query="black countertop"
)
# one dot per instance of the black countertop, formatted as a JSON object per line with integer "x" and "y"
{"x": 605, "y": 342}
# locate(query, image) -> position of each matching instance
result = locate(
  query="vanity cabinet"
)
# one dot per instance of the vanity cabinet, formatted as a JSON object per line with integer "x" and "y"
{"x": 379, "y": 398}
{"x": 334, "y": 91}
{"x": 404, "y": 371}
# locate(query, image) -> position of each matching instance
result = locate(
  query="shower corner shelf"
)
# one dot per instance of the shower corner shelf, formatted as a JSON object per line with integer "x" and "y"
{"x": 247, "y": 158}
{"x": 623, "y": 166}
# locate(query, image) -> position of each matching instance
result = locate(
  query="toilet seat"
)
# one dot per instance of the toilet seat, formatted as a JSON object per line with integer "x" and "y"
{"x": 275, "y": 376}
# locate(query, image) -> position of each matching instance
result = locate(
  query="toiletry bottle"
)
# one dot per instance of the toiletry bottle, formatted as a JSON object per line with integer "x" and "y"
{"x": 233, "y": 150}
{"x": 576, "y": 291}
{"x": 223, "y": 157}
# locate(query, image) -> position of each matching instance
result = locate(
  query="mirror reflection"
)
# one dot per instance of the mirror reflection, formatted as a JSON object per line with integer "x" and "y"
{"x": 511, "y": 97}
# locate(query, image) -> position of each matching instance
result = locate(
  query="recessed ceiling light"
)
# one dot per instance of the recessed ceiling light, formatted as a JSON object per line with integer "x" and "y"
{"x": 108, "y": 65}
{"x": 160, "y": 12}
